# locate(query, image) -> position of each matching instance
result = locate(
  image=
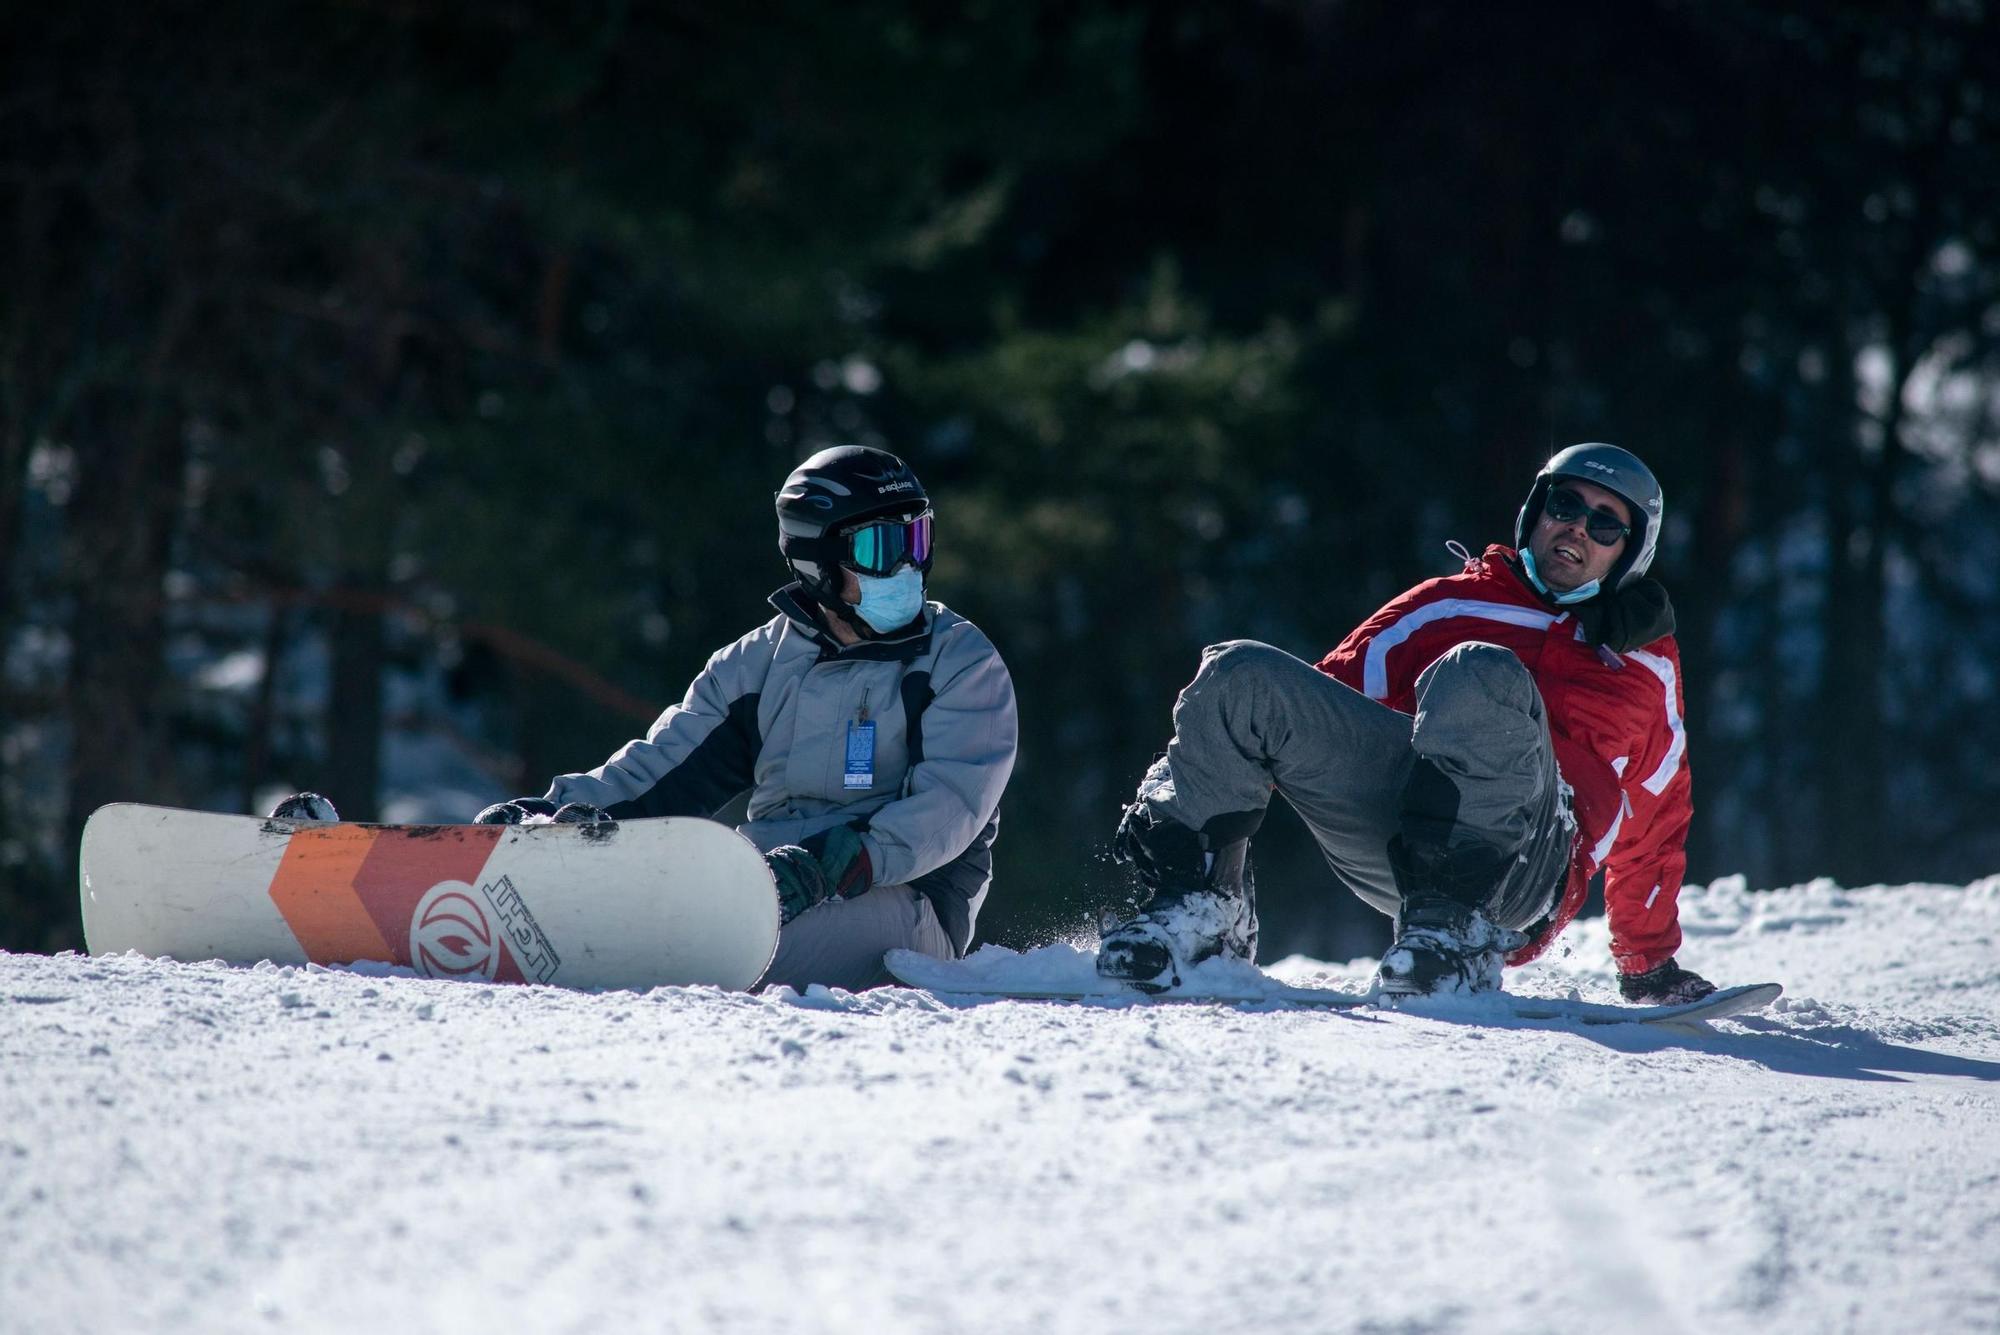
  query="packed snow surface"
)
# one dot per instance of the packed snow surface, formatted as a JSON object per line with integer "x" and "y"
{"x": 201, "y": 1148}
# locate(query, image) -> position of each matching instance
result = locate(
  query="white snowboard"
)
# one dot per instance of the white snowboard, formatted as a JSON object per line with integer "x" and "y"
{"x": 639, "y": 904}
{"x": 1063, "y": 973}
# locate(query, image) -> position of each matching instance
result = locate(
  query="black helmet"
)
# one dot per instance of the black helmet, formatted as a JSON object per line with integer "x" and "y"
{"x": 830, "y": 494}
{"x": 1615, "y": 470}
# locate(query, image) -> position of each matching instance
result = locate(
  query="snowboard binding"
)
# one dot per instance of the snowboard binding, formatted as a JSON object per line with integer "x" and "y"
{"x": 308, "y": 808}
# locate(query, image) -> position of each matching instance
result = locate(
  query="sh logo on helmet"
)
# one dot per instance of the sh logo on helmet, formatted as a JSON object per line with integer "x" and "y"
{"x": 450, "y": 935}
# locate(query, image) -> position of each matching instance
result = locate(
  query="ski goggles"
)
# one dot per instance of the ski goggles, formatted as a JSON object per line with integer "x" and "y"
{"x": 1566, "y": 507}
{"x": 877, "y": 548}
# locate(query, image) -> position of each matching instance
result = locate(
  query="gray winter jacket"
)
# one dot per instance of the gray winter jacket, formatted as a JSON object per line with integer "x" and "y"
{"x": 773, "y": 712}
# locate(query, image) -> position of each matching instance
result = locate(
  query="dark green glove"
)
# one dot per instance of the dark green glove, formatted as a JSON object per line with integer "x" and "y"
{"x": 801, "y": 884}
{"x": 832, "y": 864}
{"x": 844, "y": 859}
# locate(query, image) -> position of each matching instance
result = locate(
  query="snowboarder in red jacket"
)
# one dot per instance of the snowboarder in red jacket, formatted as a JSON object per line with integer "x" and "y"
{"x": 1467, "y": 758}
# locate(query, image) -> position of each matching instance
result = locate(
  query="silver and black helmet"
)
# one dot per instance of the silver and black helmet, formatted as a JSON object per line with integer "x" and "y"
{"x": 1620, "y": 472}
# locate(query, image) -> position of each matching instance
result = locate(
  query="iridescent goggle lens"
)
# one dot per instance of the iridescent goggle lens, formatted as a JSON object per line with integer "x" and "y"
{"x": 1565, "y": 506}
{"x": 878, "y": 548}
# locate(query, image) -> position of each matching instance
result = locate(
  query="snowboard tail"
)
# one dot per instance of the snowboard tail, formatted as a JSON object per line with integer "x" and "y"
{"x": 642, "y": 903}
{"x": 1722, "y": 1002}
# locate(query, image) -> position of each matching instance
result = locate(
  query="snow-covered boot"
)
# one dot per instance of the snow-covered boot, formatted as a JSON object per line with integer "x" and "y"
{"x": 1443, "y": 946}
{"x": 1203, "y": 904}
{"x": 305, "y": 807}
{"x": 1444, "y": 941}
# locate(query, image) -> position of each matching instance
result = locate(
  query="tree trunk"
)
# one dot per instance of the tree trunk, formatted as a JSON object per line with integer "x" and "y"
{"x": 1850, "y": 724}
{"x": 128, "y": 496}
{"x": 1719, "y": 530}
{"x": 264, "y": 709}
{"x": 354, "y": 715}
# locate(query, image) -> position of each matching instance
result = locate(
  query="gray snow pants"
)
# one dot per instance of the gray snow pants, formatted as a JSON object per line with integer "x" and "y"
{"x": 840, "y": 943}
{"x": 1256, "y": 720}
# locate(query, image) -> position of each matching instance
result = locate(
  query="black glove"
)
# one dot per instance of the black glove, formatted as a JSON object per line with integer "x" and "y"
{"x": 515, "y": 811}
{"x": 833, "y": 864}
{"x": 1665, "y": 984}
{"x": 582, "y": 813}
{"x": 1626, "y": 618}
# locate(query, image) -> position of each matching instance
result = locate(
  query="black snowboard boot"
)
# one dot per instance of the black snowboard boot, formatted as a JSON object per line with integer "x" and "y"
{"x": 305, "y": 808}
{"x": 1203, "y": 902}
{"x": 1444, "y": 943}
{"x": 1665, "y": 984}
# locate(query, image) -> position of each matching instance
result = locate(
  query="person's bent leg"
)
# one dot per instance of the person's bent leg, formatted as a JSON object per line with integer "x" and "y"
{"x": 841, "y": 943}
{"x": 1256, "y": 719}
{"x": 1484, "y": 833}
{"x": 1253, "y": 721}
{"x": 1484, "y": 788}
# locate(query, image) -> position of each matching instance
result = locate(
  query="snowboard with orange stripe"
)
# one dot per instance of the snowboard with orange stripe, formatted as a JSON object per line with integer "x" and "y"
{"x": 641, "y": 903}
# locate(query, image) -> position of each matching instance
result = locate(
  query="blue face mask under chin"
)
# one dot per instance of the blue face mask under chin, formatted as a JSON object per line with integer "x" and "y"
{"x": 892, "y": 602}
{"x": 1575, "y": 595}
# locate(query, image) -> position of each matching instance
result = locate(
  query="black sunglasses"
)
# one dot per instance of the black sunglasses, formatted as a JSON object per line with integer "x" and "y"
{"x": 1565, "y": 507}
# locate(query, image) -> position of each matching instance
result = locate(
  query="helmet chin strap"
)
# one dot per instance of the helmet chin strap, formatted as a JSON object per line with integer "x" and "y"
{"x": 852, "y": 619}
{"x": 829, "y": 598}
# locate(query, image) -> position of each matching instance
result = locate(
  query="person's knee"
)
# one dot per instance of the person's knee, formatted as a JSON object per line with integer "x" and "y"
{"x": 1481, "y": 674}
{"x": 1234, "y": 660}
{"x": 1232, "y": 675}
{"x": 1482, "y": 657}
{"x": 840, "y": 943}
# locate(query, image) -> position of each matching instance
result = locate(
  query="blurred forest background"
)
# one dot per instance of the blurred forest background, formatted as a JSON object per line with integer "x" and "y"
{"x": 392, "y": 392}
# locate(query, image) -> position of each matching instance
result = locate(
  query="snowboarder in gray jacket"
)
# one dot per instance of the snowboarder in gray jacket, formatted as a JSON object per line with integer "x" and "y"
{"x": 873, "y": 730}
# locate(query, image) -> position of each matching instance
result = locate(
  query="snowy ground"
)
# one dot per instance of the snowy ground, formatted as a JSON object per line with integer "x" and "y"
{"x": 200, "y": 1148}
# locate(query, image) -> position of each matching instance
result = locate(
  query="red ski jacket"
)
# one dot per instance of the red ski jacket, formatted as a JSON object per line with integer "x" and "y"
{"x": 1615, "y": 720}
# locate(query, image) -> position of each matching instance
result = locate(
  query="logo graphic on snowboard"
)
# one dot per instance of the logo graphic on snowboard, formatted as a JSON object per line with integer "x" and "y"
{"x": 450, "y": 937}
{"x": 364, "y": 892}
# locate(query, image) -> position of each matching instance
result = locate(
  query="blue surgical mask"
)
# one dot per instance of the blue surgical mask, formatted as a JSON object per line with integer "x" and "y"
{"x": 892, "y": 602}
{"x": 1575, "y": 595}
